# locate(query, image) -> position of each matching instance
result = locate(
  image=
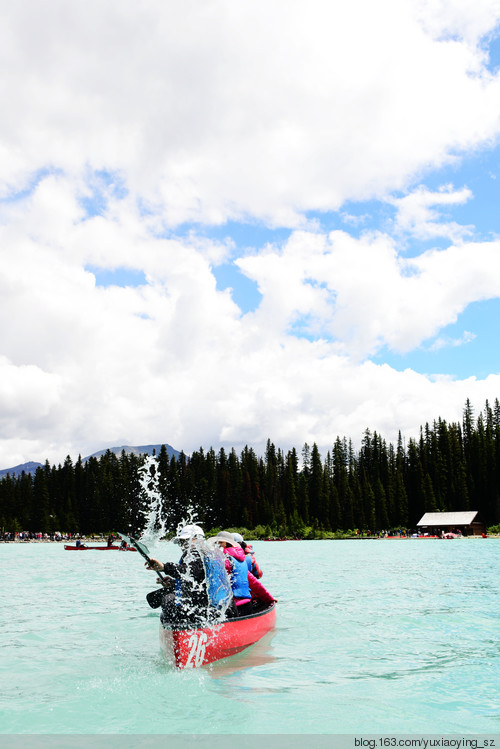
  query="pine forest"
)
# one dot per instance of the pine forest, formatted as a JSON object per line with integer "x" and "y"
{"x": 449, "y": 467}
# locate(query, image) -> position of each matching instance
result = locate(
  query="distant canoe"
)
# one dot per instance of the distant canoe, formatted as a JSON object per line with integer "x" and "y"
{"x": 98, "y": 548}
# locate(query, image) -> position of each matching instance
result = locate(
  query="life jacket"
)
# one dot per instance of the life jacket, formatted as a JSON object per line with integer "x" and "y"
{"x": 239, "y": 575}
{"x": 218, "y": 584}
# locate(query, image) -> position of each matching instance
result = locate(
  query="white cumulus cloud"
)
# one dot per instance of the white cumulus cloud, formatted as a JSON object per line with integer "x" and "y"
{"x": 130, "y": 130}
{"x": 418, "y": 216}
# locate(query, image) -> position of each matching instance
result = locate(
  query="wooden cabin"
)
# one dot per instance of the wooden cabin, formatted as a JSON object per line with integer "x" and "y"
{"x": 469, "y": 523}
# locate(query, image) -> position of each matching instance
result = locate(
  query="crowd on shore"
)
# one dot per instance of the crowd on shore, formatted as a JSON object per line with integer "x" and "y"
{"x": 55, "y": 537}
{"x": 39, "y": 537}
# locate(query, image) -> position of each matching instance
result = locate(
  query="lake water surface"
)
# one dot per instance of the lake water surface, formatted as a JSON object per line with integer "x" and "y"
{"x": 373, "y": 636}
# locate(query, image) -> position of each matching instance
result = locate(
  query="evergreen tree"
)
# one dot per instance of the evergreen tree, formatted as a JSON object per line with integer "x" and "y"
{"x": 41, "y": 499}
{"x": 317, "y": 499}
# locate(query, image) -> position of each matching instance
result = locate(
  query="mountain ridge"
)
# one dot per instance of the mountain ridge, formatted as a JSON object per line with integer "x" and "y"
{"x": 31, "y": 466}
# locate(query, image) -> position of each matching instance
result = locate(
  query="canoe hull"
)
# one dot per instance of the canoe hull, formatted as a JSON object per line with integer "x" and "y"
{"x": 190, "y": 648}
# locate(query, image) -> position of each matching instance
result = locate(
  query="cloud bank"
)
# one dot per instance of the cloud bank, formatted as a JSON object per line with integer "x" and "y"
{"x": 131, "y": 130}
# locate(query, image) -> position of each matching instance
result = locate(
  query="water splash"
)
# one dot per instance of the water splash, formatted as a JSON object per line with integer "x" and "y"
{"x": 202, "y": 590}
{"x": 216, "y": 580}
{"x": 155, "y": 526}
{"x": 159, "y": 518}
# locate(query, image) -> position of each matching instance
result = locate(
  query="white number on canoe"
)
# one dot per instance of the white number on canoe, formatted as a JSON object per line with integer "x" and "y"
{"x": 197, "y": 645}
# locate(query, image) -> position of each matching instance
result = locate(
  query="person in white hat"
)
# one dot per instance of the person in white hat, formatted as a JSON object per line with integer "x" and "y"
{"x": 186, "y": 534}
{"x": 200, "y": 588}
{"x": 189, "y": 532}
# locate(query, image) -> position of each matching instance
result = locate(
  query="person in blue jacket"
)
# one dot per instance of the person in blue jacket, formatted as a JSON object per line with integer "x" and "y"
{"x": 199, "y": 590}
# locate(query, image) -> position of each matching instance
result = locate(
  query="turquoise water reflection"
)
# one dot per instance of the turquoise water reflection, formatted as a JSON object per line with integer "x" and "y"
{"x": 372, "y": 636}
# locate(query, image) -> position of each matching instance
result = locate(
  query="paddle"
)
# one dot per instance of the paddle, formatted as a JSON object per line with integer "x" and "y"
{"x": 155, "y": 597}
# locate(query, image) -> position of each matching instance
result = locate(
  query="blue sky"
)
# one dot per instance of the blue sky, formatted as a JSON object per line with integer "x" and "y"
{"x": 467, "y": 347}
{"x": 205, "y": 246}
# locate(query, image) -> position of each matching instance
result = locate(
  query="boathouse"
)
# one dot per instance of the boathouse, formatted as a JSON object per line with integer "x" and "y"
{"x": 469, "y": 523}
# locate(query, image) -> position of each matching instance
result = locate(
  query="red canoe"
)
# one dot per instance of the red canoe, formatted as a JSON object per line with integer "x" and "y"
{"x": 98, "y": 548}
{"x": 189, "y": 648}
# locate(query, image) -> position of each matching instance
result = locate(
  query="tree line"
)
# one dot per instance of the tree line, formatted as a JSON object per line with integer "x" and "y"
{"x": 380, "y": 486}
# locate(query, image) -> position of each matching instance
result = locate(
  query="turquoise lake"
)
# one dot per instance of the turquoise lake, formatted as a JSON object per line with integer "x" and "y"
{"x": 372, "y": 636}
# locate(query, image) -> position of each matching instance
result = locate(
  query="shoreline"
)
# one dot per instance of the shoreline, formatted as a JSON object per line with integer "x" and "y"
{"x": 84, "y": 539}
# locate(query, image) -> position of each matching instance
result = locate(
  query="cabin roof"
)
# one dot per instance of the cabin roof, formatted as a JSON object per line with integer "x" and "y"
{"x": 449, "y": 518}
